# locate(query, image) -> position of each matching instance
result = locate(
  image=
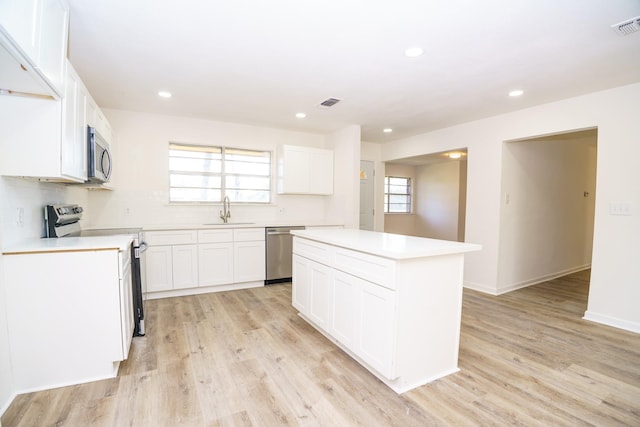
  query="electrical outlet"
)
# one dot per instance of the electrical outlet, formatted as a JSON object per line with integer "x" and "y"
{"x": 127, "y": 211}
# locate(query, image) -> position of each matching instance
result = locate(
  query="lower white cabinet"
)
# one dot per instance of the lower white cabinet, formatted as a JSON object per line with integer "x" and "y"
{"x": 215, "y": 263}
{"x": 249, "y": 261}
{"x": 313, "y": 292}
{"x": 171, "y": 267}
{"x": 190, "y": 259}
{"x": 158, "y": 268}
{"x": 70, "y": 319}
{"x": 185, "y": 266}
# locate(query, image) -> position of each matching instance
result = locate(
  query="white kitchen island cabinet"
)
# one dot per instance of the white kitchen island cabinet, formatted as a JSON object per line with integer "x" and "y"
{"x": 69, "y": 310}
{"x": 391, "y": 302}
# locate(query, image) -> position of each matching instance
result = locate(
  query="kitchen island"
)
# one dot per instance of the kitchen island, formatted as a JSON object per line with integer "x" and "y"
{"x": 392, "y": 302}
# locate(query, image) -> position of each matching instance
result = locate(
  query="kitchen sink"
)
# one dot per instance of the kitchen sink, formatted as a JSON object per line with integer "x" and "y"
{"x": 229, "y": 223}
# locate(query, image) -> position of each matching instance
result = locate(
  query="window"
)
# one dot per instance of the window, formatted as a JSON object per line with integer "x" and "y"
{"x": 397, "y": 194}
{"x": 199, "y": 173}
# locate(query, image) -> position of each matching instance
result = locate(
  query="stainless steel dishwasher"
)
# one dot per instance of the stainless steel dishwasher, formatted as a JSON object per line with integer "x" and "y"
{"x": 279, "y": 254}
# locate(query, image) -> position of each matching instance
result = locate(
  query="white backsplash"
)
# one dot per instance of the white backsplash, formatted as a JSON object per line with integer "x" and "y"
{"x": 22, "y": 207}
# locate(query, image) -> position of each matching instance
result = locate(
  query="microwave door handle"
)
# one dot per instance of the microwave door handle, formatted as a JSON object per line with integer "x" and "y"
{"x": 106, "y": 169}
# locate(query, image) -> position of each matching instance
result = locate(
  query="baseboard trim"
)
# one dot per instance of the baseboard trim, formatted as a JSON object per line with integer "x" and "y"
{"x": 6, "y": 405}
{"x": 612, "y": 321}
{"x": 540, "y": 279}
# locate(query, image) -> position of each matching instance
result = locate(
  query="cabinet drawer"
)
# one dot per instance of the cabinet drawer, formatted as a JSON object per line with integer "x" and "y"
{"x": 173, "y": 237}
{"x": 313, "y": 250}
{"x": 215, "y": 236}
{"x": 248, "y": 234}
{"x": 381, "y": 271}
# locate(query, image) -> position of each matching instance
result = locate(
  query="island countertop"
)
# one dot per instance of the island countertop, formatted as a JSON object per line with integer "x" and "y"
{"x": 393, "y": 246}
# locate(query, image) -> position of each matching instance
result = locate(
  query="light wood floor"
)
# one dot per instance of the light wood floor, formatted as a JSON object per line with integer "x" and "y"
{"x": 245, "y": 358}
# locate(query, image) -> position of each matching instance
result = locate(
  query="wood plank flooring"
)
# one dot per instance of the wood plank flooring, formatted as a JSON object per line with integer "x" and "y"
{"x": 244, "y": 358}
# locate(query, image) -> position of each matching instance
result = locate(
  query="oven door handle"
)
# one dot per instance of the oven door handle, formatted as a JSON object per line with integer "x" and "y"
{"x": 140, "y": 249}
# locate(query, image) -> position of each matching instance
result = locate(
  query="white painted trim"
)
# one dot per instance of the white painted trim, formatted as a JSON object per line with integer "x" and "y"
{"x": 541, "y": 279}
{"x": 6, "y": 405}
{"x": 203, "y": 290}
{"x": 612, "y": 321}
{"x": 478, "y": 287}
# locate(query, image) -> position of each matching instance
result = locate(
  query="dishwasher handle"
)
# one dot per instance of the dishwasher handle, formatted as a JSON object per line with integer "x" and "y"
{"x": 275, "y": 231}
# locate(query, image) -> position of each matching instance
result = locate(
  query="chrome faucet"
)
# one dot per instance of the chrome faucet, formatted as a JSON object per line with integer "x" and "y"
{"x": 226, "y": 203}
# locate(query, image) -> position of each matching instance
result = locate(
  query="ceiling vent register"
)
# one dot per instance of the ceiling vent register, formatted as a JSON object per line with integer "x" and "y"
{"x": 627, "y": 27}
{"x": 330, "y": 102}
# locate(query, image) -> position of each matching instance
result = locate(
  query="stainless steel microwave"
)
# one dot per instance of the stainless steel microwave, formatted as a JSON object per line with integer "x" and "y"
{"x": 99, "y": 157}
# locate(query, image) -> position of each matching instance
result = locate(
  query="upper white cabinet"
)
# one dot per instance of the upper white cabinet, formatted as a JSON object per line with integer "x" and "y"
{"x": 304, "y": 170}
{"x": 46, "y": 139}
{"x": 33, "y": 46}
{"x": 74, "y": 127}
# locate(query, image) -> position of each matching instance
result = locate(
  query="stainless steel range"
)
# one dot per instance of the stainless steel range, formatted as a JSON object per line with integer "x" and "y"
{"x": 64, "y": 221}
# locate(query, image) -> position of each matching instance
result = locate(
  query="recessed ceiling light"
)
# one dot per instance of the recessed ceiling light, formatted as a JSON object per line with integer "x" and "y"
{"x": 455, "y": 155}
{"x": 516, "y": 92}
{"x": 164, "y": 94}
{"x": 301, "y": 115}
{"x": 412, "y": 52}
{"x": 387, "y": 130}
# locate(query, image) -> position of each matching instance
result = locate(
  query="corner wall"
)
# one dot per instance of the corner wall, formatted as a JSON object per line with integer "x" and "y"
{"x": 614, "y": 295}
{"x": 344, "y": 205}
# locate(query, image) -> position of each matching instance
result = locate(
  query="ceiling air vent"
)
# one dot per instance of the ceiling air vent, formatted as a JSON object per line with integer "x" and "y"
{"x": 627, "y": 27}
{"x": 330, "y": 102}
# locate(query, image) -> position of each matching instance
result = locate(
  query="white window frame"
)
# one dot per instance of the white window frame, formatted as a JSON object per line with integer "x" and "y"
{"x": 223, "y": 174}
{"x": 408, "y": 194}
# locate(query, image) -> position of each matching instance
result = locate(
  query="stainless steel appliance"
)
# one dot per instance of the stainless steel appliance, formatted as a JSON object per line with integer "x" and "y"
{"x": 99, "y": 157}
{"x": 64, "y": 221}
{"x": 279, "y": 254}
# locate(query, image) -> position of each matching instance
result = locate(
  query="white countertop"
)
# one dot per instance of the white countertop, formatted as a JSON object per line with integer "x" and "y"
{"x": 394, "y": 246}
{"x": 66, "y": 244}
{"x": 239, "y": 224}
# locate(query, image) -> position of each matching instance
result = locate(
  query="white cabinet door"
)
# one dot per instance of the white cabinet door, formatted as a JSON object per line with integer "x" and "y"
{"x": 301, "y": 284}
{"x": 38, "y": 31}
{"x": 320, "y": 294}
{"x": 304, "y": 170}
{"x": 21, "y": 19}
{"x": 73, "y": 144}
{"x": 320, "y": 172}
{"x": 248, "y": 261}
{"x": 345, "y": 324}
{"x": 293, "y": 170}
{"x": 215, "y": 264}
{"x": 377, "y": 341}
{"x": 159, "y": 268}
{"x": 185, "y": 266}
{"x": 52, "y": 49}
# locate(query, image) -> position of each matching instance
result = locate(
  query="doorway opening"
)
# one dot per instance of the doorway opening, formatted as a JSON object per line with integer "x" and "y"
{"x": 547, "y": 208}
{"x": 439, "y": 195}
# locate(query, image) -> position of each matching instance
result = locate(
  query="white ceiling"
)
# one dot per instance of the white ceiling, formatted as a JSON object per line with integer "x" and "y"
{"x": 260, "y": 62}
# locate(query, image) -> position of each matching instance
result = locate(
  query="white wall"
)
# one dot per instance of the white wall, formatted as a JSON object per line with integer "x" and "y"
{"x": 344, "y": 205}
{"x": 401, "y": 223}
{"x": 437, "y": 197}
{"x": 614, "y": 295}
{"x": 547, "y": 222}
{"x": 140, "y": 196}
